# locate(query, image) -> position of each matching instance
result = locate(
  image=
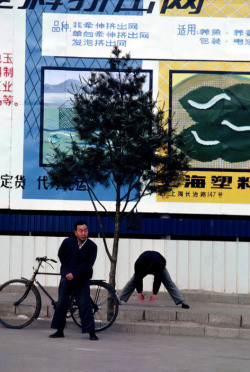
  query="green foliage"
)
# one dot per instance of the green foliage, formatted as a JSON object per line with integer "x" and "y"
{"x": 126, "y": 141}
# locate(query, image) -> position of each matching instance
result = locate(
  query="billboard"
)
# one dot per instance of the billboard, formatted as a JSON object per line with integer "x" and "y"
{"x": 196, "y": 57}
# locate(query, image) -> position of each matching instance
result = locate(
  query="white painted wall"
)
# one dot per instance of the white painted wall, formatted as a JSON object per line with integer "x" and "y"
{"x": 204, "y": 265}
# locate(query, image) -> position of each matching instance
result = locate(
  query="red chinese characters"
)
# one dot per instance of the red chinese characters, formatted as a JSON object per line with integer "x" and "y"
{"x": 6, "y": 79}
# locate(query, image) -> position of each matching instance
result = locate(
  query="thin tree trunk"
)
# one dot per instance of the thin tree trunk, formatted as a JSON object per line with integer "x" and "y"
{"x": 113, "y": 265}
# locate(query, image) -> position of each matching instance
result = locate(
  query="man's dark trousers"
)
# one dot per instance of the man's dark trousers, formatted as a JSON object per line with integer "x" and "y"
{"x": 81, "y": 294}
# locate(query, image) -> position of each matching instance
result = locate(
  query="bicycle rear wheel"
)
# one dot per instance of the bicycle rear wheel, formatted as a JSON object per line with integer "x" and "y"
{"x": 104, "y": 303}
{"x": 19, "y": 305}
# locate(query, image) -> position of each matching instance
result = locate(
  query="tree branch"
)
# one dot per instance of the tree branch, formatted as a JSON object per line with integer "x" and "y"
{"x": 100, "y": 222}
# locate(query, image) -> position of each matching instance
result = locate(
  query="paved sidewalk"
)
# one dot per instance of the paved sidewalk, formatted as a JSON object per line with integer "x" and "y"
{"x": 146, "y": 337}
{"x": 211, "y": 314}
{"x": 30, "y": 349}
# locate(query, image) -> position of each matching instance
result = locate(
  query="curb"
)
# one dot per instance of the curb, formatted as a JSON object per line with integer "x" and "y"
{"x": 185, "y": 329}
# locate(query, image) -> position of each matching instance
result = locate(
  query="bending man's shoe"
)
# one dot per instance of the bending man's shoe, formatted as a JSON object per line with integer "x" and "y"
{"x": 120, "y": 300}
{"x": 57, "y": 334}
{"x": 185, "y": 306}
{"x": 92, "y": 336}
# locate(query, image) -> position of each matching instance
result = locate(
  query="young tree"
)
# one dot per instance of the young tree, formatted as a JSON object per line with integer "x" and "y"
{"x": 128, "y": 145}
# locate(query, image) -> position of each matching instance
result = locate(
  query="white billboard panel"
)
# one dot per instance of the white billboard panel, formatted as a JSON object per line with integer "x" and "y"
{"x": 193, "y": 51}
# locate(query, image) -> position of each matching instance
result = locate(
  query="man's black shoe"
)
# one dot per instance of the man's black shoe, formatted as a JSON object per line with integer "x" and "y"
{"x": 92, "y": 336}
{"x": 185, "y": 306}
{"x": 57, "y": 334}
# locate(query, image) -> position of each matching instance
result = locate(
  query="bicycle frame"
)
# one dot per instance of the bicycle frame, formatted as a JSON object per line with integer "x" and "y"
{"x": 53, "y": 302}
{"x": 33, "y": 280}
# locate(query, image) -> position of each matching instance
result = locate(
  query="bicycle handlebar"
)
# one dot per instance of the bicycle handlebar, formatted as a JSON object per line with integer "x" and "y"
{"x": 45, "y": 259}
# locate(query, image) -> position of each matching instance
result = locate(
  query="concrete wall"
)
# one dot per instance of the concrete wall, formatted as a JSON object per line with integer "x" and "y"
{"x": 194, "y": 265}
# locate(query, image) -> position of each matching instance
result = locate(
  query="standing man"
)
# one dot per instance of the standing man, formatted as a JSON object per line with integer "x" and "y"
{"x": 151, "y": 262}
{"x": 77, "y": 255}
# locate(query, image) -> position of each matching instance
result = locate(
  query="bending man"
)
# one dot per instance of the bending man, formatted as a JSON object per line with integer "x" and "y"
{"x": 151, "y": 262}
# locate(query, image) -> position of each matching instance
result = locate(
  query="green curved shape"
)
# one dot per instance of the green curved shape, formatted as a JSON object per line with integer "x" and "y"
{"x": 222, "y": 128}
{"x": 194, "y": 149}
{"x": 202, "y": 96}
{"x": 234, "y": 131}
{"x": 240, "y": 94}
{"x": 235, "y": 156}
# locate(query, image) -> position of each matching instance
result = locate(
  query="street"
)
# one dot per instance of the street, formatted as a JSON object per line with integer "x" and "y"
{"x": 30, "y": 350}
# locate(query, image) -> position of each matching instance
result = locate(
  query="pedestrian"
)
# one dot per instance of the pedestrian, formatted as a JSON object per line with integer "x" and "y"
{"x": 77, "y": 255}
{"x": 151, "y": 262}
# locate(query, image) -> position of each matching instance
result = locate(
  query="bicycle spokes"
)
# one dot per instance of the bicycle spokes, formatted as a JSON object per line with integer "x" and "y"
{"x": 104, "y": 304}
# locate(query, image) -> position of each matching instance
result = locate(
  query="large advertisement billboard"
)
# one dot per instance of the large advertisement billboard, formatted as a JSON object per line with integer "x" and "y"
{"x": 196, "y": 58}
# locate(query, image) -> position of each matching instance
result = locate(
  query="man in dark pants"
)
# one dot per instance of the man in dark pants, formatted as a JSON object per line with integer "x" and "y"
{"x": 151, "y": 262}
{"x": 77, "y": 255}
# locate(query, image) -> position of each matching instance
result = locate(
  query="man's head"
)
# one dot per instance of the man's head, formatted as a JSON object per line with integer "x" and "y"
{"x": 81, "y": 231}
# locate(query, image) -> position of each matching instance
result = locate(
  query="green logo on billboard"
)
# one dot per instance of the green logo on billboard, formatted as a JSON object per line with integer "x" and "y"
{"x": 222, "y": 123}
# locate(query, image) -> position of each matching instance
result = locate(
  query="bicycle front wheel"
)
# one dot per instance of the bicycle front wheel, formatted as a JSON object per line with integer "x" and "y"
{"x": 19, "y": 304}
{"x": 104, "y": 304}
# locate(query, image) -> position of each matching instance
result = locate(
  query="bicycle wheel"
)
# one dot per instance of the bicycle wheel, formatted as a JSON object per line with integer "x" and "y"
{"x": 19, "y": 305}
{"x": 104, "y": 303}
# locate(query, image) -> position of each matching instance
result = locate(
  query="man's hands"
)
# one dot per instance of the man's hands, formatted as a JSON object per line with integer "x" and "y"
{"x": 152, "y": 298}
{"x": 142, "y": 298}
{"x": 69, "y": 276}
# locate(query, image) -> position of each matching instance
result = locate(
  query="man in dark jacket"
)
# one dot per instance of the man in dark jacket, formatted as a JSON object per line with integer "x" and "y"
{"x": 151, "y": 262}
{"x": 77, "y": 255}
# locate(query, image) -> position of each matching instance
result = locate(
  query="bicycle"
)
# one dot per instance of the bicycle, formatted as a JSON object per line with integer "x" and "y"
{"x": 20, "y": 301}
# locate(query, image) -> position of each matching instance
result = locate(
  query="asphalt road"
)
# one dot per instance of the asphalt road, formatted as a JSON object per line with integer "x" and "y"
{"x": 30, "y": 350}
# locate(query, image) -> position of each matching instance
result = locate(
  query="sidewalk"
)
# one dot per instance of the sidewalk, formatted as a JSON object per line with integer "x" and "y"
{"x": 30, "y": 349}
{"x": 211, "y": 314}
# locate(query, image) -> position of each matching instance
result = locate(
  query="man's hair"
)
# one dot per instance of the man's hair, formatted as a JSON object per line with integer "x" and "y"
{"x": 79, "y": 223}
